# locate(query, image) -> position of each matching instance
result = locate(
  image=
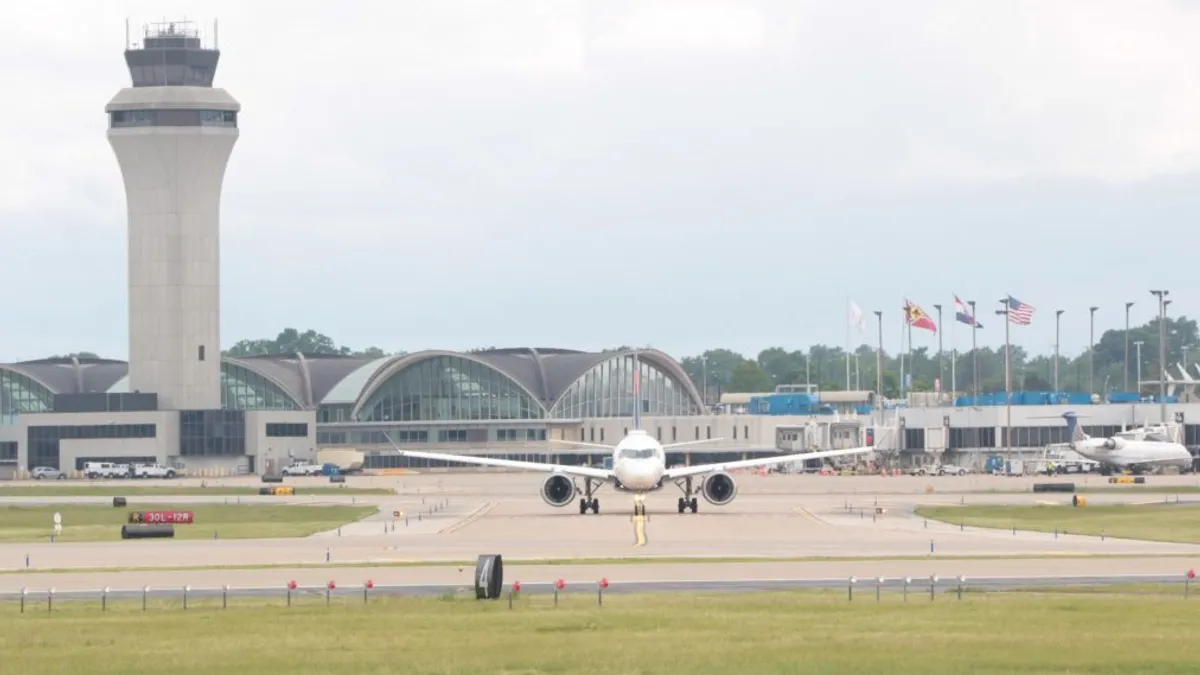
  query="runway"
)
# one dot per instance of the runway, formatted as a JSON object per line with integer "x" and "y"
{"x": 834, "y": 527}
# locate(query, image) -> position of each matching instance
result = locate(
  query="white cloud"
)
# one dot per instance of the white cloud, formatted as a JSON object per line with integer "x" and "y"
{"x": 407, "y": 147}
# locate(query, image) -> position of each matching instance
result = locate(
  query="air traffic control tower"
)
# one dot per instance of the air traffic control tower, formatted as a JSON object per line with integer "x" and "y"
{"x": 173, "y": 133}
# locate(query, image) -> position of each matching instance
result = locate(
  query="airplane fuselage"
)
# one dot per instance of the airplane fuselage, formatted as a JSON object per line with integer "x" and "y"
{"x": 1124, "y": 453}
{"x": 639, "y": 463}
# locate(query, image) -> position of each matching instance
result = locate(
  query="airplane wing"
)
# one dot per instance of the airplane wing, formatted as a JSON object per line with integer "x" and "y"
{"x": 682, "y": 471}
{"x": 583, "y": 471}
{"x": 668, "y": 446}
{"x": 610, "y": 448}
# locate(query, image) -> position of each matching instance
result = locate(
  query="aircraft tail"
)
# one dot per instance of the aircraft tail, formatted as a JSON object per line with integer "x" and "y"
{"x": 1074, "y": 431}
{"x": 637, "y": 392}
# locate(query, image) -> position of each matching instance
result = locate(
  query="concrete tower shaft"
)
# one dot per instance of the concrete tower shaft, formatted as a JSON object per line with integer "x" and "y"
{"x": 173, "y": 142}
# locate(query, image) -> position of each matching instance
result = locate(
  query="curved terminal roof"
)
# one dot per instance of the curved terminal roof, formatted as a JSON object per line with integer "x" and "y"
{"x": 314, "y": 380}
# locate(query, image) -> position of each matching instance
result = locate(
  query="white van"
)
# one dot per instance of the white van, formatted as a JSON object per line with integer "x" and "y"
{"x": 105, "y": 470}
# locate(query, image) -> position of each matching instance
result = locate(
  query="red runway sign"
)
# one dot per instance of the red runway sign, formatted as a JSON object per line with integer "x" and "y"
{"x": 156, "y": 517}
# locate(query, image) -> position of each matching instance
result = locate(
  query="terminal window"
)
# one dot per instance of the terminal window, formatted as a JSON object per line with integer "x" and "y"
{"x": 286, "y": 430}
{"x": 8, "y": 451}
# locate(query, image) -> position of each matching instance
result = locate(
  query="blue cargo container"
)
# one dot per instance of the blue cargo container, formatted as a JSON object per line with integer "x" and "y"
{"x": 787, "y": 404}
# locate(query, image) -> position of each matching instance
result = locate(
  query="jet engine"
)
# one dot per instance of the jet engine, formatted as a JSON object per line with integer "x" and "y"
{"x": 719, "y": 488}
{"x": 558, "y": 490}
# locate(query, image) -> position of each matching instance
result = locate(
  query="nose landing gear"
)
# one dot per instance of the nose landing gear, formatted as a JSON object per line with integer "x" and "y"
{"x": 639, "y": 505}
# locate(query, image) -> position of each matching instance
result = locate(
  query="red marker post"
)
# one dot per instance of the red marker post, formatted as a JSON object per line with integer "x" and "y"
{"x": 600, "y": 591}
{"x": 291, "y": 586}
{"x": 516, "y": 589}
{"x": 1187, "y": 582}
{"x": 366, "y": 587}
{"x": 558, "y": 586}
{"x": 329, "y": 590}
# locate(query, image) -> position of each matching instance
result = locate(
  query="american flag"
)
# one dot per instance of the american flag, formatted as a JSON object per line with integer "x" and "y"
{"x": 1019, "y": 312}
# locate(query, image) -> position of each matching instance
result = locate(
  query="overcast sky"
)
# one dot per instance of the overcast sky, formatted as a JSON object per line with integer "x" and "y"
{"x": 690, "y": 174}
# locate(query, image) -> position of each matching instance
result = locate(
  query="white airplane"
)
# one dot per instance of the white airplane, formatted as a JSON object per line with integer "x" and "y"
{"x": 639, "y": 466}
{"x": 1136, "y": 449}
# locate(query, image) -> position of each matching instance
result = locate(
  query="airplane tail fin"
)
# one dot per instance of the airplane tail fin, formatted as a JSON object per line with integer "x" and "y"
{"x": 1074, "y": 431}
{"x": 637, "y": 392}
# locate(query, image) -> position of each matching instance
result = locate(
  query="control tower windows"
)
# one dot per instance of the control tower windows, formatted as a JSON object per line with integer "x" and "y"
{"x": 119, "y": 119}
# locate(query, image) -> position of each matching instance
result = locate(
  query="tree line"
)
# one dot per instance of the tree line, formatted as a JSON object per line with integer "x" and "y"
{"x": 825, "y": 366}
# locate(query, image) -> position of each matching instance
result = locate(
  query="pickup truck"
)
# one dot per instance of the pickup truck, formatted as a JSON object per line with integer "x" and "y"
{"x": 152, "y": 471}
{"x": 303, "y": 469}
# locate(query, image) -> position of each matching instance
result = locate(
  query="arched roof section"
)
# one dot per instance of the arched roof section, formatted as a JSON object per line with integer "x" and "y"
{"x": 483, "y": 382}
{"x": 605, "y": 387}
{"x": 255, "y": 385}
{"x": 348, "y": 388}
{"x": 22, "y": 392}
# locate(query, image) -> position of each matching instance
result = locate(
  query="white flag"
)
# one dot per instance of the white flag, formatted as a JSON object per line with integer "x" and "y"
{"x": 857, "y": 320}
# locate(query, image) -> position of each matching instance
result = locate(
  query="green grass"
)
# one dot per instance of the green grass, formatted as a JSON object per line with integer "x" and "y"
{"x": 767, "y": 634}
{"x": 1151, "y": 522}
{"x": 166, "y": 489}
{"x": 245, "y": 521}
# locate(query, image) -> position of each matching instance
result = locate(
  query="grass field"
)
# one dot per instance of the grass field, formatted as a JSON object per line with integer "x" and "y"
{"x": 1153, "y": 522}
{"x": 103, "y": 523}
{"x": 660, "y": 634}
{"x": 133, "y": 489}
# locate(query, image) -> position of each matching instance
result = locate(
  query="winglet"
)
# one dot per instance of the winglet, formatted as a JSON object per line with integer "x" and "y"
{"x": 637, "y": 392}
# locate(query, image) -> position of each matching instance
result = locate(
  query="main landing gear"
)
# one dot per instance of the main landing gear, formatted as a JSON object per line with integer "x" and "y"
{"x": 688, "y": 500}
{"x": 590, "y": 486}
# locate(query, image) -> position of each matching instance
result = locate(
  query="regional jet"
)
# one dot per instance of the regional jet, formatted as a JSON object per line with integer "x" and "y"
{"x": 1136, "y": 450}
{"x": 638, "y": 467}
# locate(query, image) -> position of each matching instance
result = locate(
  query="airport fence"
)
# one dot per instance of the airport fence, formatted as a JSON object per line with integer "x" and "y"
{"x": 550, "y": 593}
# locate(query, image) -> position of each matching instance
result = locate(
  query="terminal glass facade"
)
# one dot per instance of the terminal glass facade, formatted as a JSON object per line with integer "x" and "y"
{"x": 607, "y": 391}
{"x": 449, "y": 388}
{"x": 20, "y": 394}
{"x": 242, "y": 389}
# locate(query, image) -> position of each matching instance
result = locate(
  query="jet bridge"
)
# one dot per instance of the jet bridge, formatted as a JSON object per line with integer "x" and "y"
{"x": 820, "y": 435}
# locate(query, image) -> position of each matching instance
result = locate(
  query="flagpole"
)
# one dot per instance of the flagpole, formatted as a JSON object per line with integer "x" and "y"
{"x": 847, "y": 344}
{"x": 911, "y": 369}
{"x": 903, "y": 323}
{"x": 1007, "y": 379}
{"x": 974, "y": 354}
{"x": 953, "y": 356}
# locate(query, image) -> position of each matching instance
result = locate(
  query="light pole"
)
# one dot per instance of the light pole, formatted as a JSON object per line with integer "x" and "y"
{"x": 1125, "y": 367}
{"x": 704, "y": 375}
{"x": 941, "y": 364}
{"x": 1139, "y": 344}
{"x": 1057, "y": 334}
{"x": 1162, "y": 351}
{"x": 1092, "y": 351}
{"x": 879, "y": 367}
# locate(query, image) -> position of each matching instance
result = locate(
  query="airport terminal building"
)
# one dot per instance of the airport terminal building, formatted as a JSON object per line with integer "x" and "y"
{"x": 274, "y": 409}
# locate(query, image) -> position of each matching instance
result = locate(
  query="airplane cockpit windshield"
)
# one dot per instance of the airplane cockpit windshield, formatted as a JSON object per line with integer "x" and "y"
{"x": 637, "y": 453}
